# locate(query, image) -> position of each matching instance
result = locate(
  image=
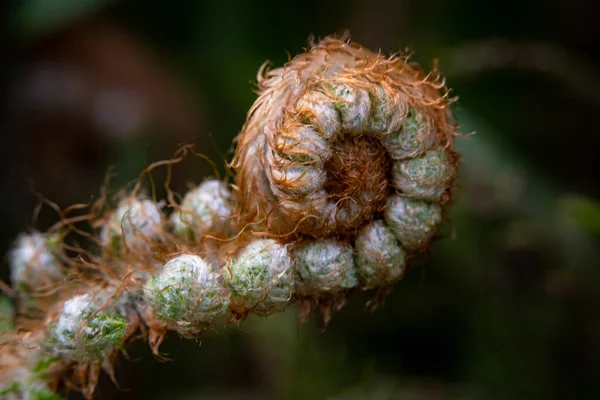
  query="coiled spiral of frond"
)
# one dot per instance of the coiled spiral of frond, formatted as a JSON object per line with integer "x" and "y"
{"x": 341, "y": 137}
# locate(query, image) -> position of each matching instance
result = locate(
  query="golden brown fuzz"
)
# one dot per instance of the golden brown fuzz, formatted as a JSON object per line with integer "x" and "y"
{"x": 357, "y": 175}
{"x": 331, "y": 131}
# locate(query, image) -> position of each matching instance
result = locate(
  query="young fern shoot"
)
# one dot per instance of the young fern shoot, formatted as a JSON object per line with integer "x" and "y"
{"x": 344, "y": 170}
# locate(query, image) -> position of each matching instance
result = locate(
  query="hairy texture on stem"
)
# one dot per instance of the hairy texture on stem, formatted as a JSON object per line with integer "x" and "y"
{"x": 344, "y": 169}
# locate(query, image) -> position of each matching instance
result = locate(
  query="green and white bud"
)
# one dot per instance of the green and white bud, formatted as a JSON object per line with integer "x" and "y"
{"x": 426, "y": 177}
{"x": 187, "y": 295}
{"x": 387, "y": 115}
{"x": 324, "y": 266}
{"x": 34, "y": 262}
{"x": 354, "y": 106}
{"x": 316, "y": 109}
{"x": 134, "y": 224}
{"x": 298, "y": 179}
{"x": 303, "y": 144}
{"x": 83, "y": 333}
{"x": 412, "y": 139}
{"x": 205, "y": 209}
{"x": 261, "y": 277}
{"x": 414, "y": 222}
{"x": 380, "y": 260}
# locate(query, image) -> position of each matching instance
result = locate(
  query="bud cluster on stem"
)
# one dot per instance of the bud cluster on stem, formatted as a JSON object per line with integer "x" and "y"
{"x": 343, "y": 172}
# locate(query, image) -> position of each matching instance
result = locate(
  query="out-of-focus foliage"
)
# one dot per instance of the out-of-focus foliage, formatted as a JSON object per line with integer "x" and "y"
{"x": 36, "y": 17}
{"x": 504, "y": 307}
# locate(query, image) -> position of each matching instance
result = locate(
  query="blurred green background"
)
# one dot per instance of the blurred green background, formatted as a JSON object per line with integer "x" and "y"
{"x": 505, "y": 307}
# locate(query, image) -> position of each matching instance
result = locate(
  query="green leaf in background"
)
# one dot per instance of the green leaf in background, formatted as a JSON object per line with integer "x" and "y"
{"x": 35, "y": 17}
{"x": 581, "y": 211}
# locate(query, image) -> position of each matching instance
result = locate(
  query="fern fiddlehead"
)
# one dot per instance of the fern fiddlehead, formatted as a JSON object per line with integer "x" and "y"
{"x": 343, "y": 171}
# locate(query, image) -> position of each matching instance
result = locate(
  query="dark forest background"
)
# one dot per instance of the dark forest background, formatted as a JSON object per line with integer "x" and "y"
{"x": 505, "y": 307}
